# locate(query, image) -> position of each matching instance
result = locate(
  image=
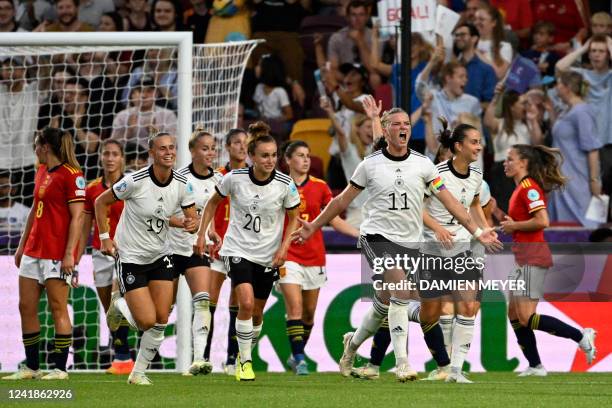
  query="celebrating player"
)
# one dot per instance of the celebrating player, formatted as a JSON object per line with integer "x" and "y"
{"x": 305, "y": 266}
{"x": 397, "y": 179}
{"x": 235, "y": 144}
{"x": 145, "y": 269}
{"x": 47, "y": 250}
{"x": 252, "y": 249}
{"x": 104, "y": 265}
{"x": 536, "y": 172}
{"x": 445, "y": 238}
{"x": 196, "y": 269}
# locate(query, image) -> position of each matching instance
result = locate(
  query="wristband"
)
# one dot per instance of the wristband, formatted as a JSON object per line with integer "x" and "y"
{"x": 477, "y": 233}
{"x": 104, "y": 235}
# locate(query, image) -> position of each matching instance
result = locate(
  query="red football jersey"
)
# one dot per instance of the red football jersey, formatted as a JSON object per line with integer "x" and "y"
{"x": 314, "y": 196}
{"x": 527, "y": 198}
{"x": 54, "y": 190}
{"x": 93, "y": 191}
{"x": 223, "y": 209}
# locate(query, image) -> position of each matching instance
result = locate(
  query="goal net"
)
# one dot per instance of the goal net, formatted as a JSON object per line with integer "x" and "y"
{"x": 108, "y": 86}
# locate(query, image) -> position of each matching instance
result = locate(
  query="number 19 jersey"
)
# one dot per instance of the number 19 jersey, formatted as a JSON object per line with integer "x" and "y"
{"x": 257, "y": 212}
{"x": 142, "y": 232}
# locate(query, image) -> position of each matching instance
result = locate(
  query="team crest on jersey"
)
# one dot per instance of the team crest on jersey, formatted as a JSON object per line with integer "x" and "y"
{"x": 533, "y": 194}
{"x": 80, "y": 182}
{"x": 122, "y": 187}
{"x": 399, "y": 181}
{"x": 236, "y": 259}
{"x": 160, "y": 213}
{"x": 254, "y": 206}
{"x": 130, "y": 279}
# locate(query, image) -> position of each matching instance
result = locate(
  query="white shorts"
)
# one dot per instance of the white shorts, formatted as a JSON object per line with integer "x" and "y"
{"x": 42, "y": 269}
{"x": 532, "y": 278}
{"x": 309, "y": 277}
{"x": 218, "y": 265}
{"x": 104, "y": 266}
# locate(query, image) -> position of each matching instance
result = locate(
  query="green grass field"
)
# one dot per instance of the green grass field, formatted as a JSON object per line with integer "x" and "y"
{"x": 326, "y": 390}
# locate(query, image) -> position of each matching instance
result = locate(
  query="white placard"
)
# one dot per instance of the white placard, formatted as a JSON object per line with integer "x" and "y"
{"x": 390, "y": 15}
{"x": 446, "y": 20}
{"x": 598, "y": 209}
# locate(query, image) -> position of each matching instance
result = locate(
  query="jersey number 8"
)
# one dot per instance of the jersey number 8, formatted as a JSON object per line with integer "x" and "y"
{"x": 253, "y": 223}
{"x": 39, "y": 209}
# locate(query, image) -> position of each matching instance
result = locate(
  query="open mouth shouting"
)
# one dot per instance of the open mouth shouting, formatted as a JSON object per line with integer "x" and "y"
{"x": 403, "y": 136}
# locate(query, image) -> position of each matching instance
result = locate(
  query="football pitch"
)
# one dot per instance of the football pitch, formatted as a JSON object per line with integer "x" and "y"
{"x": 321, "y": 390}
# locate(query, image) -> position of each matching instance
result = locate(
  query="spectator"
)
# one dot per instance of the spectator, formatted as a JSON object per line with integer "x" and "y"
{"x": 491, "y": 47}
{"x": 133, "y": 124}
{"x": 599, "y": 48}
{"x": 55, "y": 98}
{"x": 167, "y": 16}
{"x": 352, "y": 149}
{"x": 471, "y": 7}
{"x": 575, "y": 135}
{"x": 7, "y": 17}
{"x": 74, "y": 118}
{"x": 601, "y": 23}
{"x": 506, "y": 131}
{"x": 197, "y": 19}
{"x": 19, "y": 104}
{"x": 138, "y": 17}
{"x": 451, "y": 100}
{"x": 270, "y": 97}
{"x": 540, "y": 52}
{"x": 136, "y": 157}
{"x": 13, "y": 215}
{"x": 111, "y": 22}
{"x": 231, "y": 21}
{"x": 159, "y": 65}
{"x": 539, "y": 115}
{"x": 31, "y": 13}
{"x": 91, "y": 11}
{"x": 481, "y": 77}
{"x": 564, "y": 15}
{"x": 419, "y": 54}
{"x": 278, "y": 23}
{"x": 67, "y": 18}
{"x": 352, "y": 43}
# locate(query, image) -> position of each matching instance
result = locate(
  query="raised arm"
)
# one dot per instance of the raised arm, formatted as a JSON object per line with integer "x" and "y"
{"x": 375, "y": 61}
{"x": 490, "y": 121}
{"x": 566, "y": 62}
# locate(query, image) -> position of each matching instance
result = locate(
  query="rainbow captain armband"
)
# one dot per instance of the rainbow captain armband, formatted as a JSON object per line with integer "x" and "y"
{"x": 437, "y": 185}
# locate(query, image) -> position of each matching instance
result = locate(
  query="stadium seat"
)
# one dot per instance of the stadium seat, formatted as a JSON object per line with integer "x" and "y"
{"x": 315, "y": 133}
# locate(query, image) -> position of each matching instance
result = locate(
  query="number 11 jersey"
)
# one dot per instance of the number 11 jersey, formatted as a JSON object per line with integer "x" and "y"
{"x": 257, "y": 212}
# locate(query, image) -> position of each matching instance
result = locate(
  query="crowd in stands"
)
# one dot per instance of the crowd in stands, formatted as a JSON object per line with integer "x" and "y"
{"x": 319, "y": 59}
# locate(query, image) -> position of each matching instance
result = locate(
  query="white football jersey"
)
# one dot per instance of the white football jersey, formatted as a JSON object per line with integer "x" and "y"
{"x": 181, "y": 241}
{"x": 396, "y": 187}
{"x": 464, "y": 187}
{"x": 142, "y": 232}
{"x": 257, "y": 214}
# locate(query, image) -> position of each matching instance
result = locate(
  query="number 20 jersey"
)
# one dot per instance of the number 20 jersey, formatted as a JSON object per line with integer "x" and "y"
{"x": 142, "y": 232}
{"x": 257, "y": 212}
{"x": 396, "y": 187}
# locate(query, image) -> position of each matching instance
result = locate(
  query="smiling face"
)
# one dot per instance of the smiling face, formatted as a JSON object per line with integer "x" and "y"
{"x": 484, "y": 23}
{"x": 264, "y": 157}
{"x": 204, "y": 151}
{"x": 398, "y": 130}
{"x": 164, "y": 14}
{"x": 470, "y": 147}
{"x": 112, "y": 158}
{"x": 163, "y": 151}
{"x": 67, "y": 12}
{"x": 7, "y": 12}
{"x": 299, "y": 161}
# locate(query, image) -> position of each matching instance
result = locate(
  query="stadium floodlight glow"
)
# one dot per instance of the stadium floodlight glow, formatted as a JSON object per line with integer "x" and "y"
{"x": 202, "y": 87}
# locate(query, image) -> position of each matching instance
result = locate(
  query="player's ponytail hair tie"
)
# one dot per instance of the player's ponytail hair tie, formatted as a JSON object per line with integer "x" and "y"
{"x": 198, "y": 133}
{"x": 448, "y": 137}
{"x": 259, "y": 132}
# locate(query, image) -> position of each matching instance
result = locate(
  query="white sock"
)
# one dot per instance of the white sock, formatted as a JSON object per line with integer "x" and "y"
{"x": 256, "y": 333}
{"x": 244, "y": 335}
{"x": 370, "y": 324}
{"x": 414, "y": 310}
{"x": 122, "y": 305}
{"x": 446, "y": 324}
{"x": 398, "y": 327}
{"x": 149, "y": 345}
{"x": 201, "y": 324}
{"x": 463, "y": 331}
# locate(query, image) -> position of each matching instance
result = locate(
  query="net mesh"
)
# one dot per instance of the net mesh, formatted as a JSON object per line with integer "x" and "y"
{"x": 96, "y": 93}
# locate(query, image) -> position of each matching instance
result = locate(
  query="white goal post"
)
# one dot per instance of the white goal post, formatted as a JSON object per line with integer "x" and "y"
{"x": 208, "y": 81}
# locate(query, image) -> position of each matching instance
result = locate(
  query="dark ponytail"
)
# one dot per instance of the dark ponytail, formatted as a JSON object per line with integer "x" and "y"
{"x": 543, "y": 165}
{"x": 448, "y": 137}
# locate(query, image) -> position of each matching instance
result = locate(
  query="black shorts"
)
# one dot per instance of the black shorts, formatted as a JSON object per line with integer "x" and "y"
{"x": 182, "y": 263}
{"x": 133, "y": 276}
{"x": 261, "y": 277}
{"x": 435, "y": 272}
{"x": 376, "y": 246}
